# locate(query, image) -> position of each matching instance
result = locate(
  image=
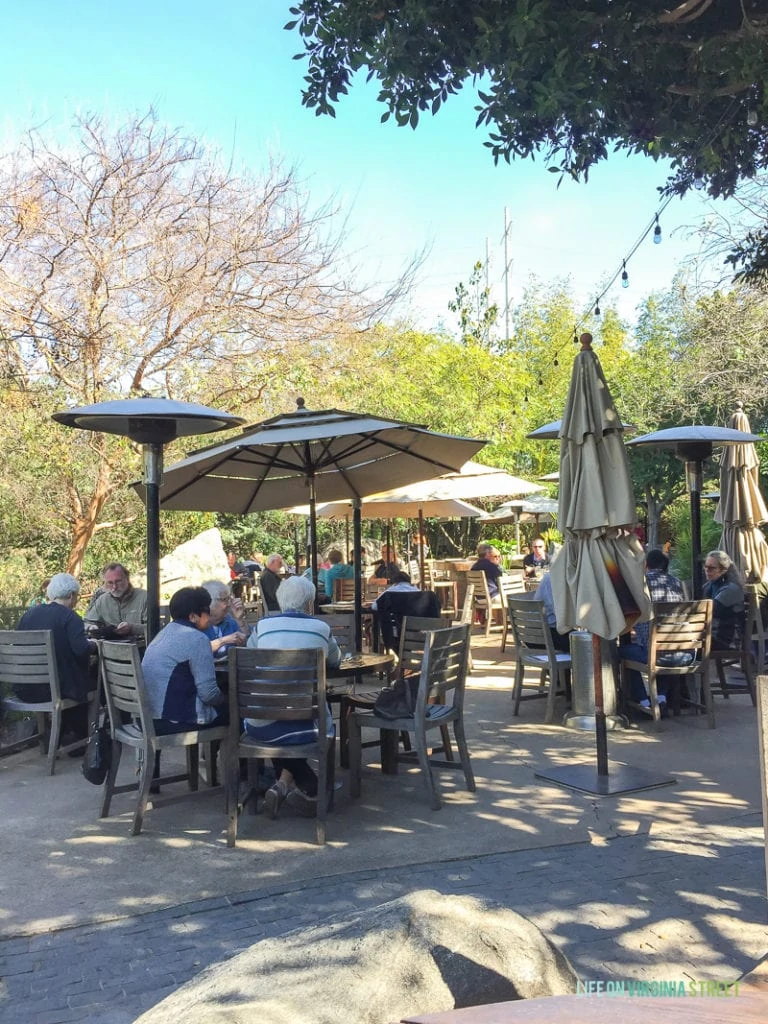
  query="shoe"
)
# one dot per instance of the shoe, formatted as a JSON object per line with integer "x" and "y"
{"x": 302, "y": 804}
{"x": 275, "y": 797}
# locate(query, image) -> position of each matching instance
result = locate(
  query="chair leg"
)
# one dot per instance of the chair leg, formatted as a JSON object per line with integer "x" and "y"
{"x": 488, "y": 617}
{"x": 145, "y": 781}
{"x": 504, "y": 634}
{"x": 747, "y": 667}
{"x": 232, "y": 779}
{"x": 193, "y": 766}
{"x": 42, "y": 728}
{"x": 517, "y": 690}
{"x": 549, "y": 714}
{"x": 446, "y": 737}
{"x": 324, "y": 791}
{"x": 355, "y": 755}
{"x": 721, "y": 677}
{"x": 709, "y": 704}
{"x": 654, "y": 695}
{"x": 53, "y": 740}
{"x": 461, "y": 744}
{"x": 111, "y": 779}
{"x": 426, "y": 770}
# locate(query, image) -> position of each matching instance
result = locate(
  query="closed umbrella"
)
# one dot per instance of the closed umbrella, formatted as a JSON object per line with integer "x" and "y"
{"x": 316, "y": 456}
{"x": 742, "y": 507}
{"x": 598, "y": 580}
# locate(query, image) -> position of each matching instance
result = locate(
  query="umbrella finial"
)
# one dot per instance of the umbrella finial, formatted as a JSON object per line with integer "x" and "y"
{"x": 586, "y": 341}
{"x": 739, "y": 406}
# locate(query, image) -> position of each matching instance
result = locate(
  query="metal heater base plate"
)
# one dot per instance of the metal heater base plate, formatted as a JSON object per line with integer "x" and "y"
{"x": 621, "y": 778}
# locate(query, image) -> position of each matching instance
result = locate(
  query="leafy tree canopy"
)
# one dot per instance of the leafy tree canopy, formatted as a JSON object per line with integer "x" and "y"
{"x": 682, "y": 81}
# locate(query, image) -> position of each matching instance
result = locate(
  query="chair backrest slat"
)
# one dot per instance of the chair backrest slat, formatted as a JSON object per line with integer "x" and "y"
{"x": 444, "y": 666}
{"x": 681, "y": 626}
{"x": 343, "y": 590}
{"x": 480, "y": 581}
{"x": 123, "y": 682}
{"x": 343, "y": 629}
{"x": 529, "y": 623}
{"x": 27, "y": 658}
{"x": 465, "y": 618}
{"x": 276, "y": 685}
{"x": 413, "y": 641}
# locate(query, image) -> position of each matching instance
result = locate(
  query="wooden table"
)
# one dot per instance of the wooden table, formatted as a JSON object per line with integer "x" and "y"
{"x": 353, "y": 669}
{"x": 751, "y": 1004}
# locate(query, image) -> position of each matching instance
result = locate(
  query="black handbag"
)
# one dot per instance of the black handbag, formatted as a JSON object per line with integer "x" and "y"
{"x": 98, "y": 755}
{"x": 398, "y": 701}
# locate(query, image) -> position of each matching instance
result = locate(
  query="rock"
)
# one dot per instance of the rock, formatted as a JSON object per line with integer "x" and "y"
{"x": 190, "y": 564}
{"x": 425, "y": 952}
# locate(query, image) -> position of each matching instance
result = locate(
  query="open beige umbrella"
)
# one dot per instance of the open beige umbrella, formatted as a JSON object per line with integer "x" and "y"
{"x": 742, "y": 508}
{"x": 598, "y": 580}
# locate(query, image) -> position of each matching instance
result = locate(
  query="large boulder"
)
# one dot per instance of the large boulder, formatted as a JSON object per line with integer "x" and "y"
{"x": 190, "y": 564}
{"x": 422, "y": 953}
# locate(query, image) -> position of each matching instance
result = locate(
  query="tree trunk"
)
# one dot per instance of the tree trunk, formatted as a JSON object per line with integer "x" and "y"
{"x": 85, "y": 518}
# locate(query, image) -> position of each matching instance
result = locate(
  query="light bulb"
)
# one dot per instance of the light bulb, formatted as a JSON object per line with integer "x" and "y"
{"x": 597, "y": 309}
{"x": 752, "y": 118}
{"x": 698, "y": 183}
{"x": 657, "y": 232}
{"x": 624, "y": 275}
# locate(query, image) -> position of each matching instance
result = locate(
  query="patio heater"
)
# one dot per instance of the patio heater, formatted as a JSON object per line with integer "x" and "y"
{"x": 693, "y": 445}
{"x": 152, "y": 423}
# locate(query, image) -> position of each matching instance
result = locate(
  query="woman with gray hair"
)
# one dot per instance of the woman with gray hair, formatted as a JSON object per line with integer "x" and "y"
{"x": 72, "y": 650}
{"x": 724, "y": 588}
{"x": 294, "y": 627}
{"x": 227, "y": 626}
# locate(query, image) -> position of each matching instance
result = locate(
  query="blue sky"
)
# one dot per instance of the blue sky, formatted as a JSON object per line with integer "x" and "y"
{"x": 225, "y": 74}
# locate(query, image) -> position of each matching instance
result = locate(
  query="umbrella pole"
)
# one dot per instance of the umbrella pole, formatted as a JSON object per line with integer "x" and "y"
{"x": 313, "y": 529}
{"x": 421, "y": 549}
{"x": 357, "y": 541}
{"x": 153, "y": 470}
{"x": 296, "y": 545}
{"x": 346, "y": 536}
{"x": 601, "y": 732}
{"x": 693, "y": 478}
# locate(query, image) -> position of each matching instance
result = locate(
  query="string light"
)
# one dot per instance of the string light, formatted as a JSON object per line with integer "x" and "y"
{"x": 597, "y": 308}
{"x": 752, "y": 118}
{"x": 657, "y": 232}
{"x": 624, "y": 275}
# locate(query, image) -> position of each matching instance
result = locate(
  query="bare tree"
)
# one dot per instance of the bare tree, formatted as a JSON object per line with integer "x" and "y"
{"x": 137, "y": 261}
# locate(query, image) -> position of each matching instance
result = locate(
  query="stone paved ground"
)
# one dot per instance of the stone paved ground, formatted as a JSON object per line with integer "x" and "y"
{"x": 670, "y": 906}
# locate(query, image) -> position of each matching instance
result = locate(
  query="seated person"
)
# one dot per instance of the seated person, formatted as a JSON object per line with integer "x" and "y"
{"x": 294, "y": 628}
{"x": 322, "y": 594}
{"x": 226, "y": 624}
{"x": 661, "y": 587}
{"x": 337, "y": 570}
{"x": 71, "y": 648}
{"x": 489, "y": 561}
{"x": 724, "y": 588}
{"x": 270, "y": 580}
{"x": 120, "y": 613}
{"x": 179, "y": 674}
{"x": 543, "y": 593}
{"x": 387, "y": 566}
{"x": 537, "y": 560}
{"x": 402, "y": 583}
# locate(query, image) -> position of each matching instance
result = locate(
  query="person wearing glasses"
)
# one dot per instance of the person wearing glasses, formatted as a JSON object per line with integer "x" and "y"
{"x": 489, "y": 562}
{"x": 120, "y": 612}
{"x": 226, "y": 624}
{"x": 724, "y": 587}
{"x": 536, "y": 560}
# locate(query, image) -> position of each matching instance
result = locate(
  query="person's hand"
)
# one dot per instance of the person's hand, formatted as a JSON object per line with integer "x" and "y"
{"x": 238, "y": 611}
{"x": 236, "y": 639}
{"x": 124, "y": 629}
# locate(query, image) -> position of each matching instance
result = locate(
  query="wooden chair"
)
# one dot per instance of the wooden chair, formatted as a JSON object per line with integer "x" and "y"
{"x": 442, "y": 678}
{"x": 534, "y": 649}
{"x": 374, "y": 588}
{"x": 749, "y": 625}
{"x": 465, "y": 619}
{"x": 483, "y": 601}
{"x": 278, "y": 686}
{"x": 510, "y": 586}
{"x": 343, "y": 590}
{"x": 123, "y": 683}
{"x": 28, "y": 659}
{"x": 676, "y": 626}
{"x": 446, "y": 591}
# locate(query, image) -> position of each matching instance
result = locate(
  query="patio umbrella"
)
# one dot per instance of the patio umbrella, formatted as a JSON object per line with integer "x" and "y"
{"x": 320, "y": 456}
{"x": 742, "y": 507}
{"x": 598, "y": 581}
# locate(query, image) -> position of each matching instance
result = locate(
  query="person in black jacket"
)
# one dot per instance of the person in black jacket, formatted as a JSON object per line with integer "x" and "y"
{"x": 71, "y": 647}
